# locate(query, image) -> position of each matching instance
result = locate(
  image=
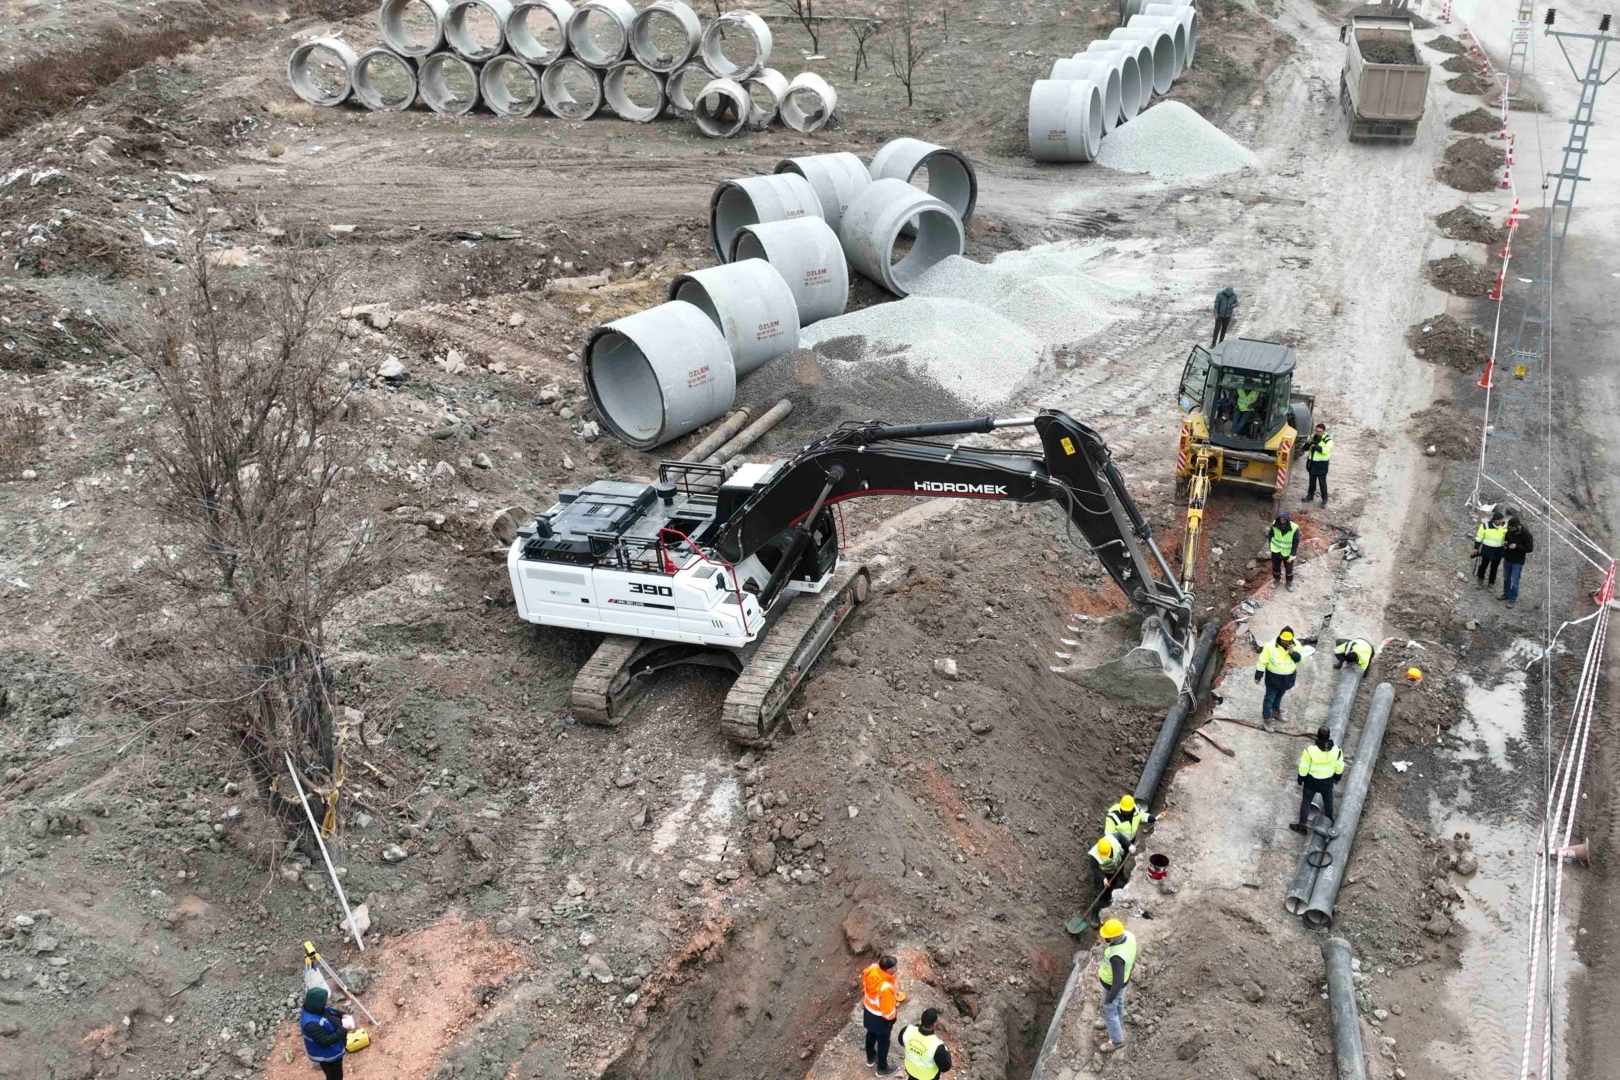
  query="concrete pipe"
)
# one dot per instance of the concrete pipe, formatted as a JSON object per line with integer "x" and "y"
{"x": 685, "y": 85}
{"x": 1163, "y": 48}
{"x": 766, "y": 92}
{"x": 665, "y": 36}
{"x": 1102, "y": 71}
{"x": 1124, "y": 64}
{"x": 572, "y": 89}
{"x": 736, "y": 64}
{"x": 807, "y": 254}
{"x": 476, "y": 29}
{"x": 633, "y": 92}
{"x": 749, "y": 200}
{"x": 322, "y": 71}
{"x": 810, "y": 102}
{"x": 537, "y": 31}
{"x": 1188, "y": 17}
{"x": 1065, "y": 120}
{"x": 750, "y": 303}
{"x": 384, "y": 81}
{"x": 721, "y": 109}
{"x": 836, "y": 178}
{"x": 950, "y": 177}
{"x": 658, "y": 374}
{"x": 412, "y": 27}
{"x": 509, "y": 86}
{"x": 599, "y": 31}
{"x": 1173, "y": 27}
{"x": 1142, "y": 53}
{"x": 875, "y": 221}
{"x": 448, "y": 84}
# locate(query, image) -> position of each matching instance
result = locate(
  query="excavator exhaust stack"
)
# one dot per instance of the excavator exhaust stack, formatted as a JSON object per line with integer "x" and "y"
{"x": 1153, "y": 673}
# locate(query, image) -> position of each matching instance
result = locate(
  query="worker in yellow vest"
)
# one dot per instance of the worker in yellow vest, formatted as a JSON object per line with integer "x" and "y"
{"x": 1275, "y": 666}
{"x": 1320, "y": 766}
{"x": 1490, "y": 544}
{"x": 1352, "y": 650}
{"x": 1125, "y": 819}
{"x": 1318, "y": 449}
{"x": 1107, "y": 859}
{"x": 1114, "y": 972}
{"x": 1282, "y": 540}
{"x": 926, "y": 1053}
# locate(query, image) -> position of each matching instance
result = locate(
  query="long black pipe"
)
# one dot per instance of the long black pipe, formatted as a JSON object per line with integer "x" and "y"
{"x": 1170, "y": 733}
{"x": 1347, "y": 1052}
{"x": 1338, "y": 725}
{"x": 1326, "y": 890}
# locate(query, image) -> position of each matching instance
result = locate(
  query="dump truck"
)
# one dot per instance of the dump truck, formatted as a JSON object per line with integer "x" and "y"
{"x": 1384, "y": 83}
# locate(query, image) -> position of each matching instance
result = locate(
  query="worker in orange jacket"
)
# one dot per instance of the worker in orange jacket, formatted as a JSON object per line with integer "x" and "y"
{"x": 879, "y": 993}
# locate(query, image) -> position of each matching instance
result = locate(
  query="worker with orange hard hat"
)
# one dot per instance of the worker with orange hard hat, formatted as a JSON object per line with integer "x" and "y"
{"x": 879, "y": 994}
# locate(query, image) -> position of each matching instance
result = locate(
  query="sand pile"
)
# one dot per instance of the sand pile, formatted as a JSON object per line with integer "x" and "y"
{"x": 1171, "y": 141}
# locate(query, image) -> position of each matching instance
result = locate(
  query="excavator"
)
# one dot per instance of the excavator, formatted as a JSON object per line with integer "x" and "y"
{"x": 741, "y": 569}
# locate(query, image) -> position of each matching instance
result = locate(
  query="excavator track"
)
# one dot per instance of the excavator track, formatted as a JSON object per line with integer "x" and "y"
{"x": 606, "y": 689}
{"x": 785, "y": 655}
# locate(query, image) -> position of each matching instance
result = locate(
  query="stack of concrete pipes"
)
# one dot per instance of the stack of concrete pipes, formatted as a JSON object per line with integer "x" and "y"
{"x": 515, "y": 55}
{"x": 1094, "y": 91}
{"x": 785, "y": 244}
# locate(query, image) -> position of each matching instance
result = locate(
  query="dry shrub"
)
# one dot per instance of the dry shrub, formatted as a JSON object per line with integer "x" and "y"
{"x": 22, "y": 431}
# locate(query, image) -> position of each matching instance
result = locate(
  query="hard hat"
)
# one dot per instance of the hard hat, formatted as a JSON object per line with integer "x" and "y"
{"x": 1127, "y": 803}
{"x": 1414, "y": 674}
{"x": 1105, "y": 846}
{"x": 1286, "y": 635}
{"x": 1112, "y": 928}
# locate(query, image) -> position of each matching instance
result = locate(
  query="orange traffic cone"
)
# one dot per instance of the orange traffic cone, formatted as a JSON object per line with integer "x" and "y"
{"x": 1485, "y": 379}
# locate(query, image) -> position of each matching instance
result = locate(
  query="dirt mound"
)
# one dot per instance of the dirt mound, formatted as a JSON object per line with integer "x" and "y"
{"x": 1459, "y": 277}
{"x": 1447, "y": 44}
{"x": 1471, "y": 84}
{"x": 1461, "y": 65}
{"x": 1476, "y": 152}
{"x": 1443, "y": 340}
{"x": 1389, "y": 52}
{"x": 1472, "y": 165}
{"x": 1471, "y": 226}
{"x": 1478, "y": 122}
{"x": 1451, "y": 431}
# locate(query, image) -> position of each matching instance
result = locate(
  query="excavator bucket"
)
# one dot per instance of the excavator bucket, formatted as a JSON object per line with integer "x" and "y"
{"x": 1153, "y": 673}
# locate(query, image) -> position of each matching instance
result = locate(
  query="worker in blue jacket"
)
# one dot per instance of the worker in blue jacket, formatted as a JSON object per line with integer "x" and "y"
{"x": 325, "y": 1031}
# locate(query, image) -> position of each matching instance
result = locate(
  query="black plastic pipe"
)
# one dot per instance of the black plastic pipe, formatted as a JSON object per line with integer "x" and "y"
{"x": 1298, "y": 897}
{"x": 1328, "y": 879}
{"x": 1170, "y": 733}
{"x": 1347, "y": 1052}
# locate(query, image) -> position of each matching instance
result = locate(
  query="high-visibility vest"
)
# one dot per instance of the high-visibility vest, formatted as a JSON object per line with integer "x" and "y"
{"x": 1491, "y": 536}
{"x": 920, "y": 1047}
{"x": 1123, "y": 824}
{"x": 1361, "y": 650}
{"x": 1126, "y": 950}
{"x": 1282, "y": 543}
{"x": 1246, "y": 400}
{"x": 1109, "y": 863}
{"x": 877, "y": 990}
{"x": 1275, "y": 659}
{"x": 1322, "y": 448}
{"x": 1319, "y": 764}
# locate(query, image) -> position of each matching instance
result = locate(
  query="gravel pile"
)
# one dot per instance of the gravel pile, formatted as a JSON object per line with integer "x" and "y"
{"x": 1171, "y": 141}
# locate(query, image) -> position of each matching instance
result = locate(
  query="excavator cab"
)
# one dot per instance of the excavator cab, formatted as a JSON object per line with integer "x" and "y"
{"x": 1240, "y": 403}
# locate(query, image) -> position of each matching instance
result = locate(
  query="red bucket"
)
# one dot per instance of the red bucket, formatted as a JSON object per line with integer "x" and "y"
{"x": 1158, "y": 866}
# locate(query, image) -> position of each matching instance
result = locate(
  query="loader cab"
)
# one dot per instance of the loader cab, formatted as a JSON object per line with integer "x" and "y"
{"x": 1243, "y": 388}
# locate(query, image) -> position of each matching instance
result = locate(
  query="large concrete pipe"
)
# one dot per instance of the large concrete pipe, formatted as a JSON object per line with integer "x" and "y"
{"x": 1188, "y": 17}
{"x": 736, "y": 65}
{"x": 537, "y": 30}
{"x": 951, "y": 178}
{"x": 599, "y": 31}
{"x": 1130, "y": 80}
{"x": 721, "y": 109}
{"x": 1325, "y": 892}
{"x": 1065, "y": 120}
{"x": 665, "y": 36}
{"x": 1298, "y": 897}
{"x": 1170, "y": 731}
{"x": 633, "y": 92}
{"x": 1163, "y": 48}
{"x": 1139, "y": 51}
{"x": 1173, "y": 27}
{"x": 322, "y": 71}
{"x": 509, "y": 86}
{"x": 572, "y": 89}
{"x": 874, "y": 222}
{"x": 384, "y": 81}
{"x": 766, "y": 92}
{"x": 836, "y": 178}
{"x": 810, "y": 102}
{"x": 1102, "y": 70}
{"x": 749, "y": 200}
{"x": 448, "y": 84}
{"x": 476, "y": 29}
{"x": 1349, "y": 1058}
{"x": 685, "y": 85}
{"x": 750, "y": 303}
{"x": 807, "y": 254}
{"x": 658, "y": 374}
{"x": 412, "y": 27}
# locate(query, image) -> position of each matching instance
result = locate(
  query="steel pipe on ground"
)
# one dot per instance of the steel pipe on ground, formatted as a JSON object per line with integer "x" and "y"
{"x": 717, "y": 438}
{"x": 766, "y": 92}
{"x": 1298, "y": 896}
{"x": 1065, "y": 120}
{"x": 579, "y": 98}
{"x": 610, "y": 18}
{"x": 1142, "y": 53}
{"x": 665, "y": 36}
{"x": 1103, "y": 71}
{"x": 951, "y": 178}
{"x": 537, "y": 30}
{"x": 448, "y": 84}
{"x": 1170, "y": 732}
{"x": 878, "y": 216}
{"x": 1163, "y": 46}
{"x": 658, "y": 374}
{"x": 810, "y": 102}
{"x": 1187, "y": 15}
{"x": 412, "y": 27}
{"x": 712, "y": 45}
{"x": 721, "y": 109}
{"x": 1325, "y": 892}
{"x": 322, "y": 71}
{"x": 509, "y": 86}
{"x": 751, "y": 304}
{"x": 633, "y": 92}
{"x": 476, "y": 29}
{"x": 1173, "y": 27}
{"x": 836, "y": 178}
{"x": 686, "y": 85}
{"x": 384, "y": 81}
{"x": 807, "y": 254}
{"x": 749, "y": 200}
{"x": 753, "y": 434}
{"x": 1348, "y": 1056}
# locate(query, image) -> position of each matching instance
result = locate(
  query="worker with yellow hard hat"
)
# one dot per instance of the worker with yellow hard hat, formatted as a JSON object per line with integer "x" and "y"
{"x": 1125, "y": 819}
{"x": 1114, "y": 972}
{"x": 1275, "y": 666}
{"x": 1107, "y": 858}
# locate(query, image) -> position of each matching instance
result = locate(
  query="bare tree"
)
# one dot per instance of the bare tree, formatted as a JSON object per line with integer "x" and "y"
{"x": 863, "y": 30}
{"x": 907, "y": 47}
{"x": 805, "y": 12}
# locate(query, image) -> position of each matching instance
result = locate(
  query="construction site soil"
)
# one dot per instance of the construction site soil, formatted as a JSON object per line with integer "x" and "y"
{"x": 1463, "y": 223}
{"x": 1446, "y": 43}
{"x": 1477, "y": 122}
{"x": 1471, "y": 84}
{"x": 1444, "y": 340}
{"x": 1459, "y": 277}
{"x": 1448, "y": 430}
